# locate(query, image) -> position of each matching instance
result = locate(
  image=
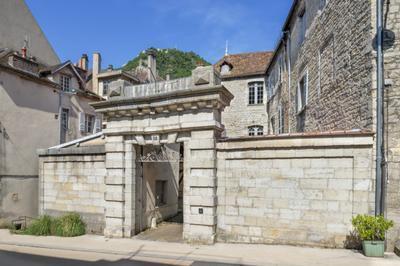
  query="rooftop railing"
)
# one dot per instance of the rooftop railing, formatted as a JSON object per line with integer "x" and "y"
{"x": 200, "y": 76}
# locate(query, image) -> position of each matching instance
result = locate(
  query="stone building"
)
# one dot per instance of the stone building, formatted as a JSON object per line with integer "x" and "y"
{"x": 244, "y": 76}
{"x": 322, "y": 77}
{"x": 99, "y": 79}
{"x": 297, "y": 189}
{"x": 42, "y": 103}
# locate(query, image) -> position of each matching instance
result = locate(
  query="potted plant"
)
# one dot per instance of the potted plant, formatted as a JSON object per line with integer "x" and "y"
{"x": 371, "y": 230}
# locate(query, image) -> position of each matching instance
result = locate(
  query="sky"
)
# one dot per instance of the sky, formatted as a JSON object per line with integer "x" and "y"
{"x": 121, "y": 29}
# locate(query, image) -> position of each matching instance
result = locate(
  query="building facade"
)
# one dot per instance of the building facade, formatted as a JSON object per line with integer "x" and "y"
{"x": 42, "y": 103}
{"x": 298, "y": 189}
{"x": 244, "y": 76}
{"x": 323, "y": 77}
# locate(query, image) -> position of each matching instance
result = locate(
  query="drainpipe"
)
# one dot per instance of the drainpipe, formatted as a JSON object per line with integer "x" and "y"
{"x": 379, "y": 109}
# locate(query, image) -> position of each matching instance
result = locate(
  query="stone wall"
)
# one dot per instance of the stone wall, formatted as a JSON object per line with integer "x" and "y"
{"x": 337, "y": 55}
{"x": 293, "y": 190}
{"x": 240, "y": 114}
{"x": 73, "y": 181}
{"x": 392, "y": 118}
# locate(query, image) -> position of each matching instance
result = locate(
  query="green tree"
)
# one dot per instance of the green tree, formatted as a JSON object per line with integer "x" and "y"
{"x": 176, "y": 63}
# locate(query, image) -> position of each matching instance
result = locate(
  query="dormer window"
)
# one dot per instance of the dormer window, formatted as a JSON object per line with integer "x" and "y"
{"x": 226, "y": 67}
{"x": 65, "y": 82}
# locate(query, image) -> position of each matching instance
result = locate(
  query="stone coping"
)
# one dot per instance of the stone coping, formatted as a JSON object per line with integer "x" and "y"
{"x": 170, "y": 96}
{"x": 300, "y": 140}
{"x": 86, "y": 150}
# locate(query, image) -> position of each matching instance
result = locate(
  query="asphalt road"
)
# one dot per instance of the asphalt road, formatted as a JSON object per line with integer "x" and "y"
{"x": 9, "y": 258}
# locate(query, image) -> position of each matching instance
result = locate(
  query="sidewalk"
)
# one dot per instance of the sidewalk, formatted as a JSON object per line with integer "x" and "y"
{"x": 184, "y": 254}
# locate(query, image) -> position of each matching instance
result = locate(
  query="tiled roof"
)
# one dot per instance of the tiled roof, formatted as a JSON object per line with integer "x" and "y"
{"x": 245, "y": 64}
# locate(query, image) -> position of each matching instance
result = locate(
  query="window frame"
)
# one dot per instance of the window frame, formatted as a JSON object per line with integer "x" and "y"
{"x": 255, "y": 92}
{"x": 300, "y": 105}
{"x": 255, "y": 130}
{"x": 63, "y": 79}
{"x": 106, "y": 84}
{"x": 64, "y": 126}
{"x": 89, "y": 123}
{"x": 281, "y": 120}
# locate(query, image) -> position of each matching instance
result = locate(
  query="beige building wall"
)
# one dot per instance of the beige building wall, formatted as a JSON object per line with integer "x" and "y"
{"x": 17, "y": 24}
{"x": 28, "y": 121}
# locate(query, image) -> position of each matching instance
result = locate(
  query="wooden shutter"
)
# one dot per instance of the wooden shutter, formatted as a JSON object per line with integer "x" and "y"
{"x": 98, "y": 124}
{"x": 82, "y": 121}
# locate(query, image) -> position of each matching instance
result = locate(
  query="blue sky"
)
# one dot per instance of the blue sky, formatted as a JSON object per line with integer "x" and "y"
{"x": 120, "y": 29}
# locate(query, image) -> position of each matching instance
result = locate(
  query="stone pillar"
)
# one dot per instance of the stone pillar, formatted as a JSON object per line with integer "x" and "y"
{"x": 115, "y": 187}
{"x": 130, "y": 184}
{"x": 200, "y": 200}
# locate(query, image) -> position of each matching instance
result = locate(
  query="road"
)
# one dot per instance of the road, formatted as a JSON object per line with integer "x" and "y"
{"x": 27, "y": 256}
{"x": 9, "y": 258}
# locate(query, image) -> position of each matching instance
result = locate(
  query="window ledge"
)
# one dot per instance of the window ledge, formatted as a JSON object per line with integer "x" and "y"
{"x": 256, "y": 104}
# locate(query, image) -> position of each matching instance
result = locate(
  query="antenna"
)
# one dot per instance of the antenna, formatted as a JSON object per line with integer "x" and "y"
{"x": 226, "y": 47}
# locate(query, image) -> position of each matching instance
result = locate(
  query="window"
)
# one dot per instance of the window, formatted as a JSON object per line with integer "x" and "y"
{"x": 65, "y": 82}
{"x": 64, "y": 121}
{"x": 161, "y": 191}
{"x": 281, "y": 121}
{"x": 302, "y": 93}
{"x": 89, "y": 123}
{"x": 225, "y": 69}
{"x": 256, "y": 130}
{"x": 105, "y": 87}
{"x": 64, "y": 118}
{"x": 301, "y": 102}
{"x": 256, "y": 93}
{"x": 302, "y": 25}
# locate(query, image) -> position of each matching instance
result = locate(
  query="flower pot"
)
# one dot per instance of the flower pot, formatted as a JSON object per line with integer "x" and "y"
{"x": 373, "y": 248}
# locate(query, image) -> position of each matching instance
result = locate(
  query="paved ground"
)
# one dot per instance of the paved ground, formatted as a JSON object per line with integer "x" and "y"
{"x": 97, "y": 250}
{"x": 165, "y": 232}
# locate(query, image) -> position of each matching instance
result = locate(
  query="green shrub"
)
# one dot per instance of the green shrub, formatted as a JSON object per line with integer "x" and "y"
{"x": 40, "y": 227}
{"x": 371, "y": 227}
{"x": 69, "y": 225}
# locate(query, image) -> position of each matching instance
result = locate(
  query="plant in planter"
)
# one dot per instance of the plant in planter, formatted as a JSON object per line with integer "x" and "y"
{"x": 371, "y": 230}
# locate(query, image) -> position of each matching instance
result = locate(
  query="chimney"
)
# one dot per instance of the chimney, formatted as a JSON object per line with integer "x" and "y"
{"x": 110, "y": 68}
{"x": 95, "y": 72}
{"x": 168, "y": 77}
{"x": 23, "y": 51}
{"x": 83, "y": 62}
{"x": 151, "y": 64}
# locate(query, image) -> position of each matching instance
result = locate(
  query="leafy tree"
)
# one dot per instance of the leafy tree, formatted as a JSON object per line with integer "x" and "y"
{"x": 176, "y": 63}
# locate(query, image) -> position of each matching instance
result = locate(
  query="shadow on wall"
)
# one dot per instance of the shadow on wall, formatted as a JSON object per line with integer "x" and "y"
{"x": 29, "y": 94}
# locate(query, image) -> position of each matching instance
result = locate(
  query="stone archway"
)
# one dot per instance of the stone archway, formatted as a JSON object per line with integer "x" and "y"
{"x": 190, "y": 115}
